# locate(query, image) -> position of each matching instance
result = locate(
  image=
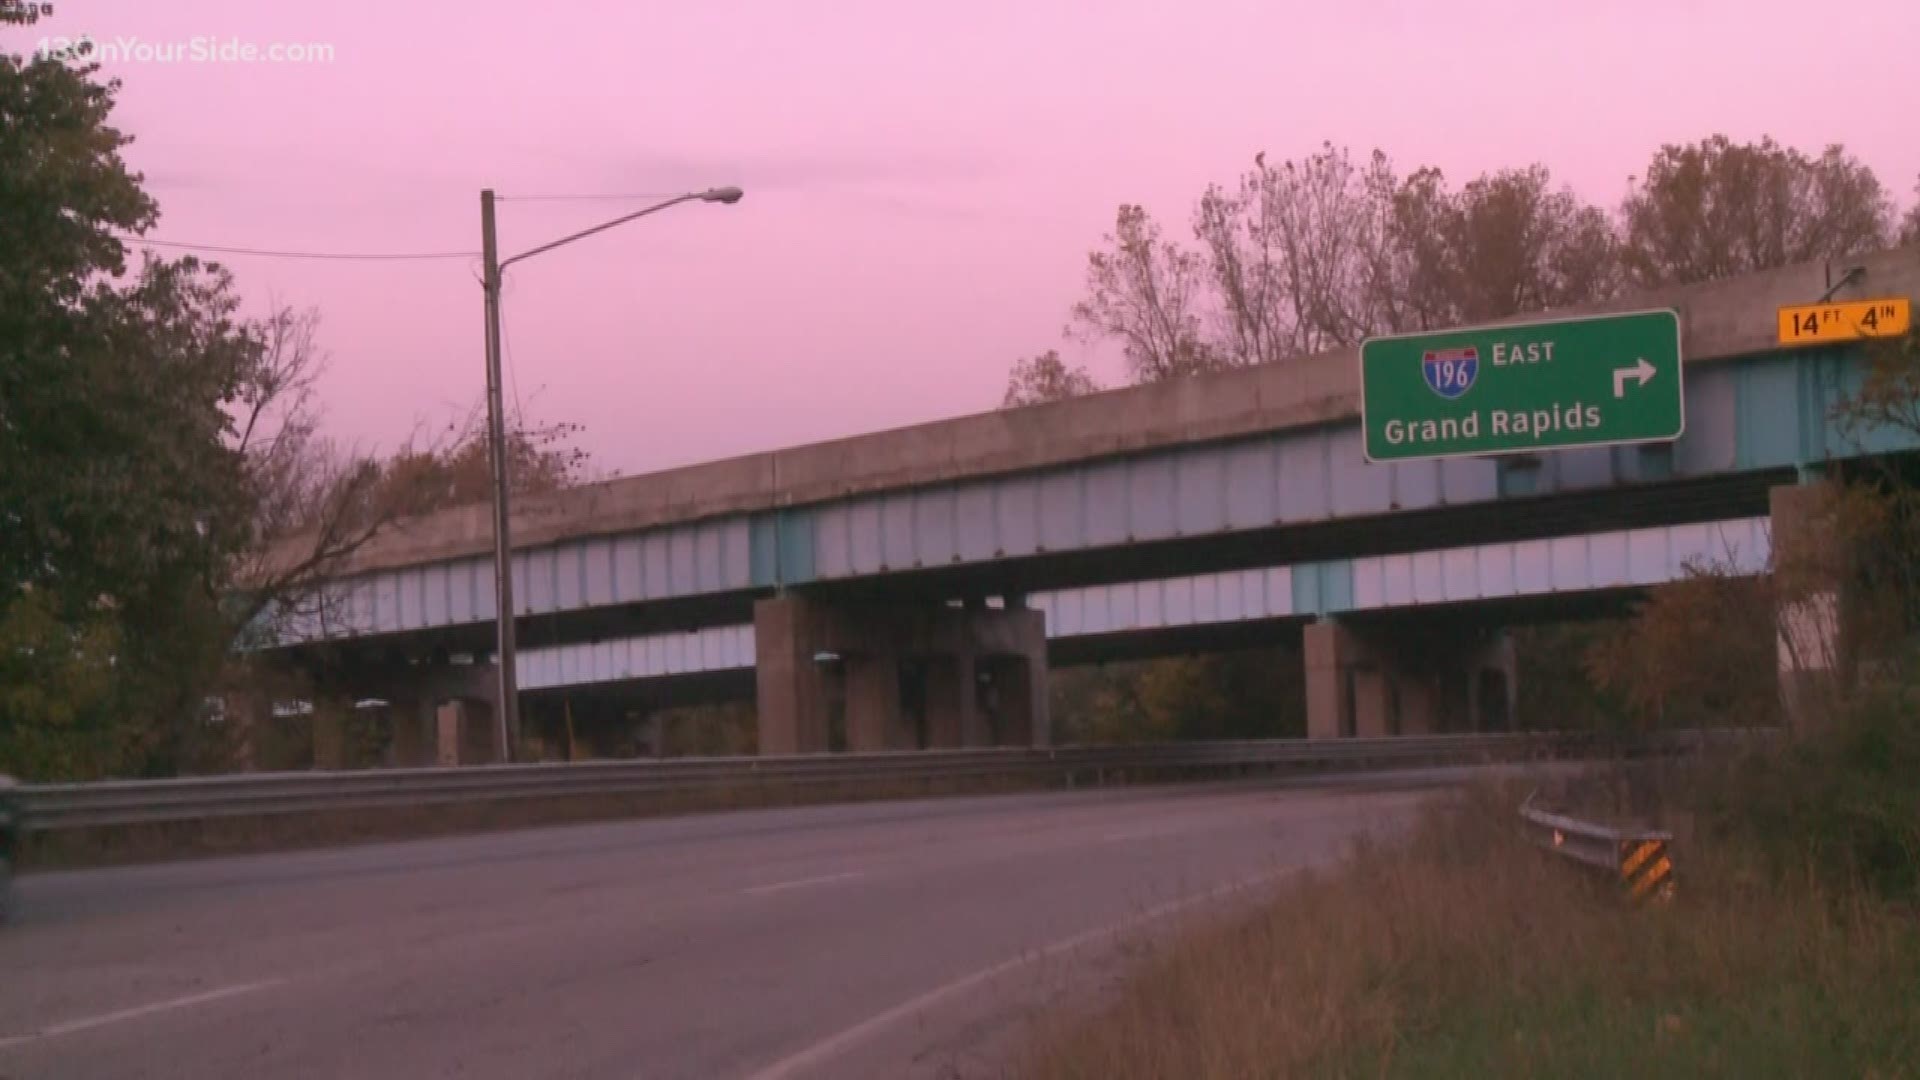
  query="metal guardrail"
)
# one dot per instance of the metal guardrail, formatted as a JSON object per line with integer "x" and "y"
{"x": 1637, "y": 858}
{"x": 51, "y": 807}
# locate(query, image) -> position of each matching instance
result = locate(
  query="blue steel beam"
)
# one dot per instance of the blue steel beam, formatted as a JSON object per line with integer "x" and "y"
{"x": 1769, "y": 411}
{"x": 1583, "y": 564}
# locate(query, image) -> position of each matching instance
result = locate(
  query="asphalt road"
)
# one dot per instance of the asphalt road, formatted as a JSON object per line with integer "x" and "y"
{"x": 881, "y": 939}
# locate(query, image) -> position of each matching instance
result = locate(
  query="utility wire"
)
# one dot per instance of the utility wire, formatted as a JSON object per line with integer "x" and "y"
{"x": 513, "y": 378}
{"x": 589, "y": 197}
{"x": 364, "y": 256}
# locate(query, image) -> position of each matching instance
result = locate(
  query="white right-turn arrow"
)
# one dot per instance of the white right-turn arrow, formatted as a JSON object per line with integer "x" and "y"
{"x": 1640, "y": 373}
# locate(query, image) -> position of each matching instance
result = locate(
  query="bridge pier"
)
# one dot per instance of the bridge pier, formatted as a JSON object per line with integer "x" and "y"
{"x": 415, "y": 731}
{"x": 913, "y": 676}
{"x": 1808, "y": 571}
{"x": 875, "y": 719}
{"x": 953, "y": 713}
{"x": 438, "y": 714}
{"x": 1374, "y": 682}
{"x": 332, "y": 711}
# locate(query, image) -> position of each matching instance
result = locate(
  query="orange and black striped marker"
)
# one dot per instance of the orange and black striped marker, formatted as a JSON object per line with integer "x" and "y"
{"x": 1645, "y": 868}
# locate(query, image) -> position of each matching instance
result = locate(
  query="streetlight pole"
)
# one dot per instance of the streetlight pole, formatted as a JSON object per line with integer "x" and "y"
{"x": 506, "y": 712}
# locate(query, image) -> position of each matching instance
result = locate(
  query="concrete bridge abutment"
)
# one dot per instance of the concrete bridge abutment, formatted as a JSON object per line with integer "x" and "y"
{"x": 1377, "y": 681}
{"x": 897, "y": 676}
{"x": 436, "y": 715}
{"x": 1810, "y": 555}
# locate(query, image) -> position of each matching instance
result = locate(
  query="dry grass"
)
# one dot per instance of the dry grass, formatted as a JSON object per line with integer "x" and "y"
{"x": 1468, "y": 953}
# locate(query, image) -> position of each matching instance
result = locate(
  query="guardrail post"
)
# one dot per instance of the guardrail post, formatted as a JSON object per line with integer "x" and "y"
{"x": 1637, "y": 859}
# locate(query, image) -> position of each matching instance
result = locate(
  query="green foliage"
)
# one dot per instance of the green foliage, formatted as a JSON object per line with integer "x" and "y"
{"x": 60, "y": 676}
{"x": 723, "y": 730}
{"x": 1840, "y": 803}
{"x": 1242, "y": 694}
{"x": 1699, "y": 652}
{"x": 1553, "y": 684}
{"x": 1100, "y": 704}
{"x": 122, "y": 495}
{"x": 1249, "y": 694}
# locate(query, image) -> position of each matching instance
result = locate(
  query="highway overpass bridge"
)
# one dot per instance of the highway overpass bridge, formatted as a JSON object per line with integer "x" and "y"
{"x": 919, "y": 580}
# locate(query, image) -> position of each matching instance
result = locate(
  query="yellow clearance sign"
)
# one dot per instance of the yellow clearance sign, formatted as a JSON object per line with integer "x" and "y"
{"x": 1851, "y": 320}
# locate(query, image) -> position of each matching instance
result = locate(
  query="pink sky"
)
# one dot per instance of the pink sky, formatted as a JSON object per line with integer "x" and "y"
{"x": 923, "y": 181}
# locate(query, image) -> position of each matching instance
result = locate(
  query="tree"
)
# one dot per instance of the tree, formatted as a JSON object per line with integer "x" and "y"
{"x": 1245, "y": 270}
{"x": 55, "y": 679}
{"x": 541, "y": 459}
{"x": 1241, "y": 694}
{"x": 120, "y": 498}
{"x": 1145, "y": 292}
{"x": 1505, "y": 244}
{"x": 1277, "y": 266}
{"x": 1690, "y": 655}
{"x": 1716, "y": 209}
{"x": 1910, "y": 225}
{"x": 1512, "y": 243}
{"x": 154, "y": 443}
{"x": 1045, "y": 377}
{"x": 322, "y": 507}
{"x": 311, "y": 506}
{"x": 1307, "y": 255}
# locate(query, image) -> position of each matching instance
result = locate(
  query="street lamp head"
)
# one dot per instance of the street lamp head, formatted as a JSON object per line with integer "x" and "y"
{"x": 728, "y": 195}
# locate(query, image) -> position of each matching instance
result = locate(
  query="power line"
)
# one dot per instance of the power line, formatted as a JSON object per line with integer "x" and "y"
{"x": 363, "y": 256}
{"x": 513, "y": 374}
{"x": 590, "y": 197}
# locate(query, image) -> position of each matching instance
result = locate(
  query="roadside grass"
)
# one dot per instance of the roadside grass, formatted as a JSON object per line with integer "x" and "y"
{"x": 1465, "y": 951}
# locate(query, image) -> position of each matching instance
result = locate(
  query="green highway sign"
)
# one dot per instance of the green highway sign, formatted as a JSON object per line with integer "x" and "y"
{"x": 1528, "y": 386}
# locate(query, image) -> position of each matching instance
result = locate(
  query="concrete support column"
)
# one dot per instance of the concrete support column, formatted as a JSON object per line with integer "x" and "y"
{"x": 1021, "y": 719}
{"x": 447, "y": 718}
{"x": 1808, "y": 571}
{"x": 1031, "y": 682}
{"x": 1381, "y": 681}
{"x": 413, "y": 732}
{"x": 463, "y": 733}
{"x": 1014, "y": 658}
{"x": 1375, "y": 701}
{"x": 482, "y": 741}
{"x": 874, "y": 717}
{"x": 790, "y": 690}
{"x": 900, "y": 665}
{"x": 1327, "y": 648}
{"x": 331, "y": 711}
{"x": 952, "y": 712}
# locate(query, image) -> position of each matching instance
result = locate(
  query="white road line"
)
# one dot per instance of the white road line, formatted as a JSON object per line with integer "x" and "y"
{"x": 800, "y": 883}
{"x": 1139, "y": 834}
{"x": 138, "y": 1011}
{"x": 833, "y": 1046}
